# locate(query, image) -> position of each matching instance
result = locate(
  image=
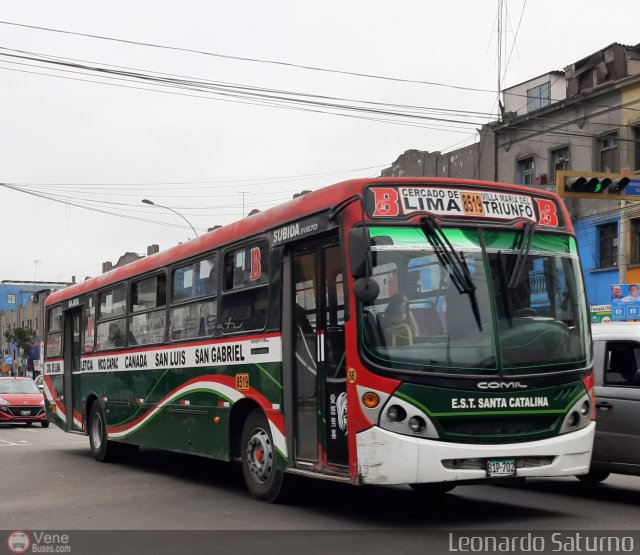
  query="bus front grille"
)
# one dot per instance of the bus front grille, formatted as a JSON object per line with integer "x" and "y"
{"x": 503, "y": 429}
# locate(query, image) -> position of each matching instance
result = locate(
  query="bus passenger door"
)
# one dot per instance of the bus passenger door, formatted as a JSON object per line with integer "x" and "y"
{"x": 334, "y": 358}
{"x": 72, "y": 320}
{"x": 319, "y": 374}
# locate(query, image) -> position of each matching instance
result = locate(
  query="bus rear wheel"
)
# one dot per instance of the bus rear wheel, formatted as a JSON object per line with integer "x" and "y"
{"x": 436, "y": 488}
{"x": 102, "y": 449}
{"x": 259, "y": 467}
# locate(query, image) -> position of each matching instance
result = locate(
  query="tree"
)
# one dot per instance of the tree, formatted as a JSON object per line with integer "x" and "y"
{"x": 22, "y": 338}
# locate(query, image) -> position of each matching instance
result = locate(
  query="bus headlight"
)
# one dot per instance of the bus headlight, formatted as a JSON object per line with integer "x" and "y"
{"x": 402, "y": 417}
{"x": 578, "y": 417}
{"x": 417, "y": 424}
{"x": 396, "y": 413}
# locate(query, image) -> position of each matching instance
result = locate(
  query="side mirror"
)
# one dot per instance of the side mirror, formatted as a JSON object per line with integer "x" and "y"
{"x": 366, "y": 289}
{"x": 359, "y": 249}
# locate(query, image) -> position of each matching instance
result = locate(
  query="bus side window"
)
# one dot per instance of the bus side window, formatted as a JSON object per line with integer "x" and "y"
{"x": 54, "y": 332}
{"x": 147, "y": 321}
{"x": 197, "y": 280}
{"x": 112, "y": 324}
{"x": 88, "y": 324}
{"x": 245, "y": 302}
{"x": 246, "y": 267}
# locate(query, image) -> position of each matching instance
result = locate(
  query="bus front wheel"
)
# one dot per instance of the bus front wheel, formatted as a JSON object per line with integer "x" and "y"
{"x": 261, "y": 473}
{"x": 593, "y": 477}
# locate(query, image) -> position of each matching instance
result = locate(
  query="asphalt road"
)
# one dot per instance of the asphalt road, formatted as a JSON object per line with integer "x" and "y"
{"x": 49, "y": 481}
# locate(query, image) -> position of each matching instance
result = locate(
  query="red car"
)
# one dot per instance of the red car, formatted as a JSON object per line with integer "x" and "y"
{"x": 21, "y": 401}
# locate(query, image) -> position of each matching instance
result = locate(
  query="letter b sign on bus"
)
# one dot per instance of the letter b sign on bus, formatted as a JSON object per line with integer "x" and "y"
{"x": 597, "y": 185}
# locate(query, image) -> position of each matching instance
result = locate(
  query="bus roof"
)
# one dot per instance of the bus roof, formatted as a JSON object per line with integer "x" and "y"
{"x": 310, "y": 203}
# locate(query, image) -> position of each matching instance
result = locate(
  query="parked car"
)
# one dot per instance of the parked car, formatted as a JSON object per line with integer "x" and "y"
{"x": 616, "y": 351}
{"x": 21, "y": 401}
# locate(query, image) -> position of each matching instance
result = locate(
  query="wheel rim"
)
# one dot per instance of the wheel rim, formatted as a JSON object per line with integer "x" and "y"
{"x": 259, "y": 455}
{"x": 96, "y": 431}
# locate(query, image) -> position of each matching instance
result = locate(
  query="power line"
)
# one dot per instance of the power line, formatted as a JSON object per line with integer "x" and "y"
{"x": 261, "y": 180}
{"x": 257, "y": 60}
{"x": 284, "y": 99}
{"x": 246, "y": 59}
{"x": 180, "y": 78}
{"x": 302, "y": 109}
{"x": 123, "y": 205}
{"x": 279, "y": 99}
{"x": 8, "y": 186}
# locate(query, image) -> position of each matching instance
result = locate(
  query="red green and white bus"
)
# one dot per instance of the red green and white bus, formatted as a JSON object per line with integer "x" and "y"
{"x": 418, "y": 331}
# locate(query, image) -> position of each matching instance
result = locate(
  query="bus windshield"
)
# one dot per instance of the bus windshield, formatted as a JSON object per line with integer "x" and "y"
{"x": 514, "y": 305}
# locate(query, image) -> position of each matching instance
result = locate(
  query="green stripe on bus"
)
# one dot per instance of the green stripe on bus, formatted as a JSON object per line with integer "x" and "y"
{"x": 264, "y": 371}
{"x": 141, "y": 406}
{"x": 186, "y": 393}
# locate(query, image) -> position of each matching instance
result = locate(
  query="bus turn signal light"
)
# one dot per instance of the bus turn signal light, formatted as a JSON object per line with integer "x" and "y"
{"x": 370, "y": 400}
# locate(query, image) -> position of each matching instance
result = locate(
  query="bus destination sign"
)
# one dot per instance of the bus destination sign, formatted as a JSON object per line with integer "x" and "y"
{"x": 389, "y": 202}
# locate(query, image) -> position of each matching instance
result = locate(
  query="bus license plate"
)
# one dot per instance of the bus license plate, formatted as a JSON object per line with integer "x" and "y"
{"x": 501, "y": 467}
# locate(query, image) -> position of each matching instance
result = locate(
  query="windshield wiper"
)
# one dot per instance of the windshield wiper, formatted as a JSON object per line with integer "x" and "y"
{"x": 453, "y": 262}
{"x": 523, "y": 247}
{"x": 506, "y": 300}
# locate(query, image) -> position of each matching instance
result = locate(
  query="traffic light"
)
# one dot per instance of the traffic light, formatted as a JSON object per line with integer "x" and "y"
{"x": 591, "y": 185}
{"x": 618, "y": 185}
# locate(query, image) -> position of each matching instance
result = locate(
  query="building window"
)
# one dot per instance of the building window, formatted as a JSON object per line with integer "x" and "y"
{"x": 608, "y": 241}
{"x": 558, "y": 161}
{"x": 525, "y": 171}
{"x": 538, "y": 97}
{"x": 608, "y": 156}
{"x": 11, "y": 299}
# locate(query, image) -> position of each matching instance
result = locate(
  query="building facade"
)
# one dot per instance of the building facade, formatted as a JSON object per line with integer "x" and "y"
{"x": 23, "y": 306}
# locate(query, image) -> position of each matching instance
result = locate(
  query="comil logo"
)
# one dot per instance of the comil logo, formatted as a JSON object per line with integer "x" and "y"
{"x": 18, "y": 542}
{"x": 501, "y": 385}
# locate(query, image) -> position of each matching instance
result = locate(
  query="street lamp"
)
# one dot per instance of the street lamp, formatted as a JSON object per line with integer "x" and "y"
{"x": 147, "y": 201}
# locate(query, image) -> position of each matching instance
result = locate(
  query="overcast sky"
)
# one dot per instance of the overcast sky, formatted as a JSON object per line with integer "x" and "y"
{"x": 107, "y": 147}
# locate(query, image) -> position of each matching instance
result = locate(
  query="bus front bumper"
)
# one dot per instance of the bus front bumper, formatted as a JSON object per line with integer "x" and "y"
{"x": 385, "y": 457}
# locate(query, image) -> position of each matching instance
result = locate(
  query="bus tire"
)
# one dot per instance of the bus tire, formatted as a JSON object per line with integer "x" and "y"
{"x": 261, "y": 474}
{"x": 436, "y": 488}
{"x": 102, "y": 449}
{"x": 593, "y": 477}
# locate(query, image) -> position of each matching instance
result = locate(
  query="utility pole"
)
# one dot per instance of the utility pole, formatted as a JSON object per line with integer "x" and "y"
{"x": 35, "y": 272}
